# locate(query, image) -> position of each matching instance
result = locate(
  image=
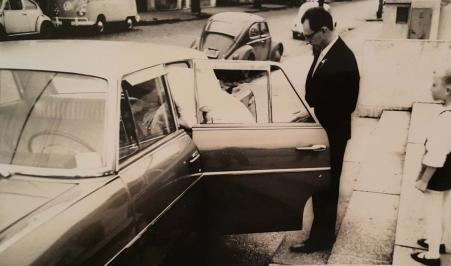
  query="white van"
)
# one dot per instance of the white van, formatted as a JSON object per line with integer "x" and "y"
{"x": 93, "y": 13}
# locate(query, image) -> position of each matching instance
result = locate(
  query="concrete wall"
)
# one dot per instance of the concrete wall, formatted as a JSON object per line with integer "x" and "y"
{"x": 441, "y": 19}
{"x": 444, "y": 30}
{"x": 435, "y": 6}
{"x": 391, "y": 30}
{"x": 397, "y": 73}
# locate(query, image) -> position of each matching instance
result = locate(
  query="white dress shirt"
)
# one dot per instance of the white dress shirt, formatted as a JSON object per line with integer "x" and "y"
{"x": 438, "y": 143}
{"x": 324, "y": 52}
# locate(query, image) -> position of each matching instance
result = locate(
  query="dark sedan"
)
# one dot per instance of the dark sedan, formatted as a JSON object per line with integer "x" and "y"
{"x": 238, "y": 36}
{"x": 99, "y": 161}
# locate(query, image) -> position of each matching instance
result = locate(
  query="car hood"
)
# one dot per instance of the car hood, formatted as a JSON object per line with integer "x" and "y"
{"x": 18, "y": 198}
{"x": 26, "y": 203}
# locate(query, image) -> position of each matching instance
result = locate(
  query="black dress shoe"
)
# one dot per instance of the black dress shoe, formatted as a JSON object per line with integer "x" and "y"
{"x": 425, "y": 261}
{"x": 308, "y": 247}
{"x": 422, "y": 242}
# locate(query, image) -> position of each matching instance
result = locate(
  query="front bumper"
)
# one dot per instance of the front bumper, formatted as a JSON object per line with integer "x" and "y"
{"x": 70, "y": 21}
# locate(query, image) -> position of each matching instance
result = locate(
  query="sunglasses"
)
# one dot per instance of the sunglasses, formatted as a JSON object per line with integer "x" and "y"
{"x": 310, "y": 36}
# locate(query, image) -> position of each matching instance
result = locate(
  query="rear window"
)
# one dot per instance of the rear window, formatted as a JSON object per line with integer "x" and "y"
{"x": 224, "y": 27}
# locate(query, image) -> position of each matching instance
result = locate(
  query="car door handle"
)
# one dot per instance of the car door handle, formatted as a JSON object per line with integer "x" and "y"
{"x": 194, "y": 157}
{"x": 24, "y": 14}
{"x": 316, "y": 147}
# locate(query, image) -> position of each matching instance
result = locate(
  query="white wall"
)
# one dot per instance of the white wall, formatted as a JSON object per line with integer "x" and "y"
{"x": 391, "y": 30}
{"x": 435, "y": 6}
{"x": 444, "y": 30}
{"x": 397, "y": 73}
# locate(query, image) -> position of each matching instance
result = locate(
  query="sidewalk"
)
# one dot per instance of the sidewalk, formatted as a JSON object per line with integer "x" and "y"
{"x": 173, "y": 16}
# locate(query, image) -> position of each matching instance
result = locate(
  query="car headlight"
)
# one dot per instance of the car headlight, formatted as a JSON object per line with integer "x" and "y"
{"x": 235, "y": 57}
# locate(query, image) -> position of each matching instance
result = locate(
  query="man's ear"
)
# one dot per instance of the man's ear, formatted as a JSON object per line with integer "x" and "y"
{"x": 448, "y": 89}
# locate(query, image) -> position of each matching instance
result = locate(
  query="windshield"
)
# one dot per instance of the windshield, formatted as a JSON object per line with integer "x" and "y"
{"x": 231, "y": 29}
{"x": 52, "y": 120}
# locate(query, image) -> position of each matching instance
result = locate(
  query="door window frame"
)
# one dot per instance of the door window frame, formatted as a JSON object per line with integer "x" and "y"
{"x": 156, "y": 72}
{"x": 254, "y": 65}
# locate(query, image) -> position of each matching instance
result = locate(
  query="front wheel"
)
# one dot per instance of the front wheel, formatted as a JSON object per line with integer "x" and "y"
{"x": 3, "y": 35}
{"x": 46, "y": 30}
{"x": 277, "y": 55}
{"x": 99, "y": 27}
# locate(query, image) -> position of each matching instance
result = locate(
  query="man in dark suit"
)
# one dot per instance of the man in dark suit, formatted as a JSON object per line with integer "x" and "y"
{"x": 332, "y": 88}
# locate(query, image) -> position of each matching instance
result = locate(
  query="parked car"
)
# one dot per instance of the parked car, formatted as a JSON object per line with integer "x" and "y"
{"x": 94, "y": 13}
{"x": 296, "y": 29}
{"x": 238, "y": 36}
{"x": 94, "y": 159}
{"x": 22, "y": 17}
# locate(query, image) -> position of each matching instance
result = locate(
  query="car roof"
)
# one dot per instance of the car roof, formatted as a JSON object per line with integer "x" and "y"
{"x": 97, "y": 58}
{"x": 240, "y": 17}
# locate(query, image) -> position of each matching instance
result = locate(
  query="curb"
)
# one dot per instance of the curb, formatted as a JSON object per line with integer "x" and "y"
{"x": 201, "y": 16}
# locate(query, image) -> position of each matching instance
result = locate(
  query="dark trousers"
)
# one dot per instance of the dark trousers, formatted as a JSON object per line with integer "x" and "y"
{"x": 325, "y": 202}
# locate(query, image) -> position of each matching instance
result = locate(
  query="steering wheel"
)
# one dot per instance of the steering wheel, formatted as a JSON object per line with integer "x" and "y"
{"x": 61, "y": 134}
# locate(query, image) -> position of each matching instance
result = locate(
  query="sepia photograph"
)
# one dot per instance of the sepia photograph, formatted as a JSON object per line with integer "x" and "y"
{"x": 225, "y": 132}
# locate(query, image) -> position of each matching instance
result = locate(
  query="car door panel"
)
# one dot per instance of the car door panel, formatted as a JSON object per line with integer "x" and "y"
{"x": 32, "y": 15}
{"x": 16, "y": 19}
{"x": 166, "y": 163}
{"x": 259, "y": 176}
{"x": 158, "y": 178}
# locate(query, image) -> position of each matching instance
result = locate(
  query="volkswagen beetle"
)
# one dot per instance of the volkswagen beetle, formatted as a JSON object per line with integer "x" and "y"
{"x": 238, "y": 36}
{"x": 23, "y": 17}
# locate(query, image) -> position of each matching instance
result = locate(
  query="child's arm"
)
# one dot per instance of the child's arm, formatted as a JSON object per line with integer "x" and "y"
{"x": 424, "y": 176}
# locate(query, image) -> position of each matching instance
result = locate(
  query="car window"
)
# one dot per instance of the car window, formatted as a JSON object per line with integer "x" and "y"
{"x": 45, "y": 127}
{"x": 128, "y": 141}
{"x": 264, "y": 29}
{"x": 236, "y": 96}
{"x": 15, "y": 4}
{"x": 287, "y": 107}
{"x": 151, "y": 110}
{"x": 223, "y": 27}
{"x": 9, "y": 90}
{"x": 181, "y": 82}
{"x": 29, "y": 5}
{"x": 254, "y": 31}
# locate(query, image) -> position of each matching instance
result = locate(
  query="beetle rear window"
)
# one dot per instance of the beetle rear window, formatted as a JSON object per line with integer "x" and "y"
{"x": 224, "y": 27}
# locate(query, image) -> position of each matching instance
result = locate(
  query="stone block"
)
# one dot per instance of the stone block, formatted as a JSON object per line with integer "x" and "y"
{"x": 368, "y": 229}
{"x": 381, "y": 172}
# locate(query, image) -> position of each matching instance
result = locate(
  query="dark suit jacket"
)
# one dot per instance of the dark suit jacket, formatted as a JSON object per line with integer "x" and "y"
{"x": 333, "y": 90}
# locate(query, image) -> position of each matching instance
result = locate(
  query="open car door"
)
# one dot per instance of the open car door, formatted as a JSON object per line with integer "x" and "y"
{"x": 263, "y": 152}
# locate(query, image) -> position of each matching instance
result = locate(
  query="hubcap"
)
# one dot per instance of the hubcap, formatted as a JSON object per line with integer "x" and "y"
{"x": 130, "y": 23}
{"x": 100, "y": 26}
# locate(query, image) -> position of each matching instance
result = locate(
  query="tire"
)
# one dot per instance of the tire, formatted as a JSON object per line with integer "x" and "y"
{"x": 3, "y": 35}
{"x": 129, "y": 23}
{"x": 246, "y": 74}
{"x": 46, "y": 31}
{"x": 99, "y": 27}
{"x": 277, "y": 55}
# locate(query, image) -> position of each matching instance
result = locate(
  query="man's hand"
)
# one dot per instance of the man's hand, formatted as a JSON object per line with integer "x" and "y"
{"x": 421, "y": 185}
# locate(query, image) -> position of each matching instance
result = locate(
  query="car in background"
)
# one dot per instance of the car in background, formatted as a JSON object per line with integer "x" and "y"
{"x": 296, "y": 29}
{"x": 94, "y": 13}
{"x": 23, "y": 17}
{"x": 95, "y": 162}
{"x": 238, "y": 36}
